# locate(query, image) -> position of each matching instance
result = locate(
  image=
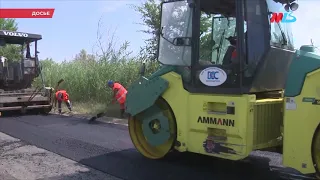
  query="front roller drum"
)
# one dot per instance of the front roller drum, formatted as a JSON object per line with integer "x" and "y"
{"x": 154, "y": 131}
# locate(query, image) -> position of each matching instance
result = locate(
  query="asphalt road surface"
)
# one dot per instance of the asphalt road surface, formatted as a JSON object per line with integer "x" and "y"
{"x": 108, "y": 148}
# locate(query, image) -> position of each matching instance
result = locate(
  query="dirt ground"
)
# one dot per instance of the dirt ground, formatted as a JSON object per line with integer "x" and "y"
{"x": 87, "y": 110}
{"x": 21, "y": 161}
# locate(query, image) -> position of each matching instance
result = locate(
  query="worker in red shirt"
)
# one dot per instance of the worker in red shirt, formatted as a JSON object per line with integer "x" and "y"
{"x": 62, "y": 95}
{"x": 119, "y": 94}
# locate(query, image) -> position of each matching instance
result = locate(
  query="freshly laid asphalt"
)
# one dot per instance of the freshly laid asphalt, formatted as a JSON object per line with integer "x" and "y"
{"x": 108, "y": 148}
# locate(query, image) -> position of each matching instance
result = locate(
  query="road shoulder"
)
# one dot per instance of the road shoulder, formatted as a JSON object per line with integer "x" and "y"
{"x": 110, "y": 120}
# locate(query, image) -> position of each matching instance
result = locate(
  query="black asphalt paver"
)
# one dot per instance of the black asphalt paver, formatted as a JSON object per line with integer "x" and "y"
{"x": 108, "y": 148}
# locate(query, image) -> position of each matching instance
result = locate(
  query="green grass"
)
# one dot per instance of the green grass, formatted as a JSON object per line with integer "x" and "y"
{"x": 90, "y": 108}
{"x": 85, "y": 79}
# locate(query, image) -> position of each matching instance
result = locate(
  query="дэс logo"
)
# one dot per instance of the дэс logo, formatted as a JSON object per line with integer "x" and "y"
{"x": 213, "y": 76}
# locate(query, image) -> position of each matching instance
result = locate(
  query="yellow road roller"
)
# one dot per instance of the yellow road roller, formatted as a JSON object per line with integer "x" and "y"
{"x": 231, "y": 87}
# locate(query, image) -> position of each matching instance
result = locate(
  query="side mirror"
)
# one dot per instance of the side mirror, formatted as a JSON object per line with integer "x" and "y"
{"x": 190, "y": 3}
{"x": 142, "y": 69}
{"x": 213, "y": 43}
{"x": 182, "y": 41}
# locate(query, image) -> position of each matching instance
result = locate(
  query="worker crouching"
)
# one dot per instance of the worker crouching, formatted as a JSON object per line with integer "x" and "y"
{"x": 62, "y": 96}
{"x": 119, "y": 94}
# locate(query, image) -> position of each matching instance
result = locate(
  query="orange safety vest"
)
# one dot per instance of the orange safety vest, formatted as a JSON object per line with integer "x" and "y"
{"x": 121, "y": 94}
{"x": 65, "y": 95}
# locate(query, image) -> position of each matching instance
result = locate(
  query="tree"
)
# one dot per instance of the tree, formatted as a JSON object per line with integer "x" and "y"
{"x": 8, "y": 24}
{"x": 84, "y": 57}
{"x": 11, "y": 52}
{"x": 150, "y": 16}
{"x": 106, "y": 45}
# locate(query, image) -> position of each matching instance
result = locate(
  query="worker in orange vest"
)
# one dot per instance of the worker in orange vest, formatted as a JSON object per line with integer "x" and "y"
{"x": 119, "y": 94}
{"x": 62, "y": 95}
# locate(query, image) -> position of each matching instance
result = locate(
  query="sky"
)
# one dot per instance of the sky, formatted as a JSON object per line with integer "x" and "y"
{"x": 74, "y": 24}
{"x": 307, "y": 26}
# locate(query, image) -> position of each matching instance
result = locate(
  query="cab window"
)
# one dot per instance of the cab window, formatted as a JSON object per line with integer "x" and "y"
{"x": 281, "y": 34}
{"x": 216, "y": 31}
{"x": 176, "y": 23}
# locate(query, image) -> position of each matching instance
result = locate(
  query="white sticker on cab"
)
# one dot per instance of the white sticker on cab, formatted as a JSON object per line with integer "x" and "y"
{"x": 291, "y": 103}
{"x": 213, "y": 76}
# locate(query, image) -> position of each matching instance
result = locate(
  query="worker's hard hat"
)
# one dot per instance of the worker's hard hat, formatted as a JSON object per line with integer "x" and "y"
{"x": 110, "y": 82}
